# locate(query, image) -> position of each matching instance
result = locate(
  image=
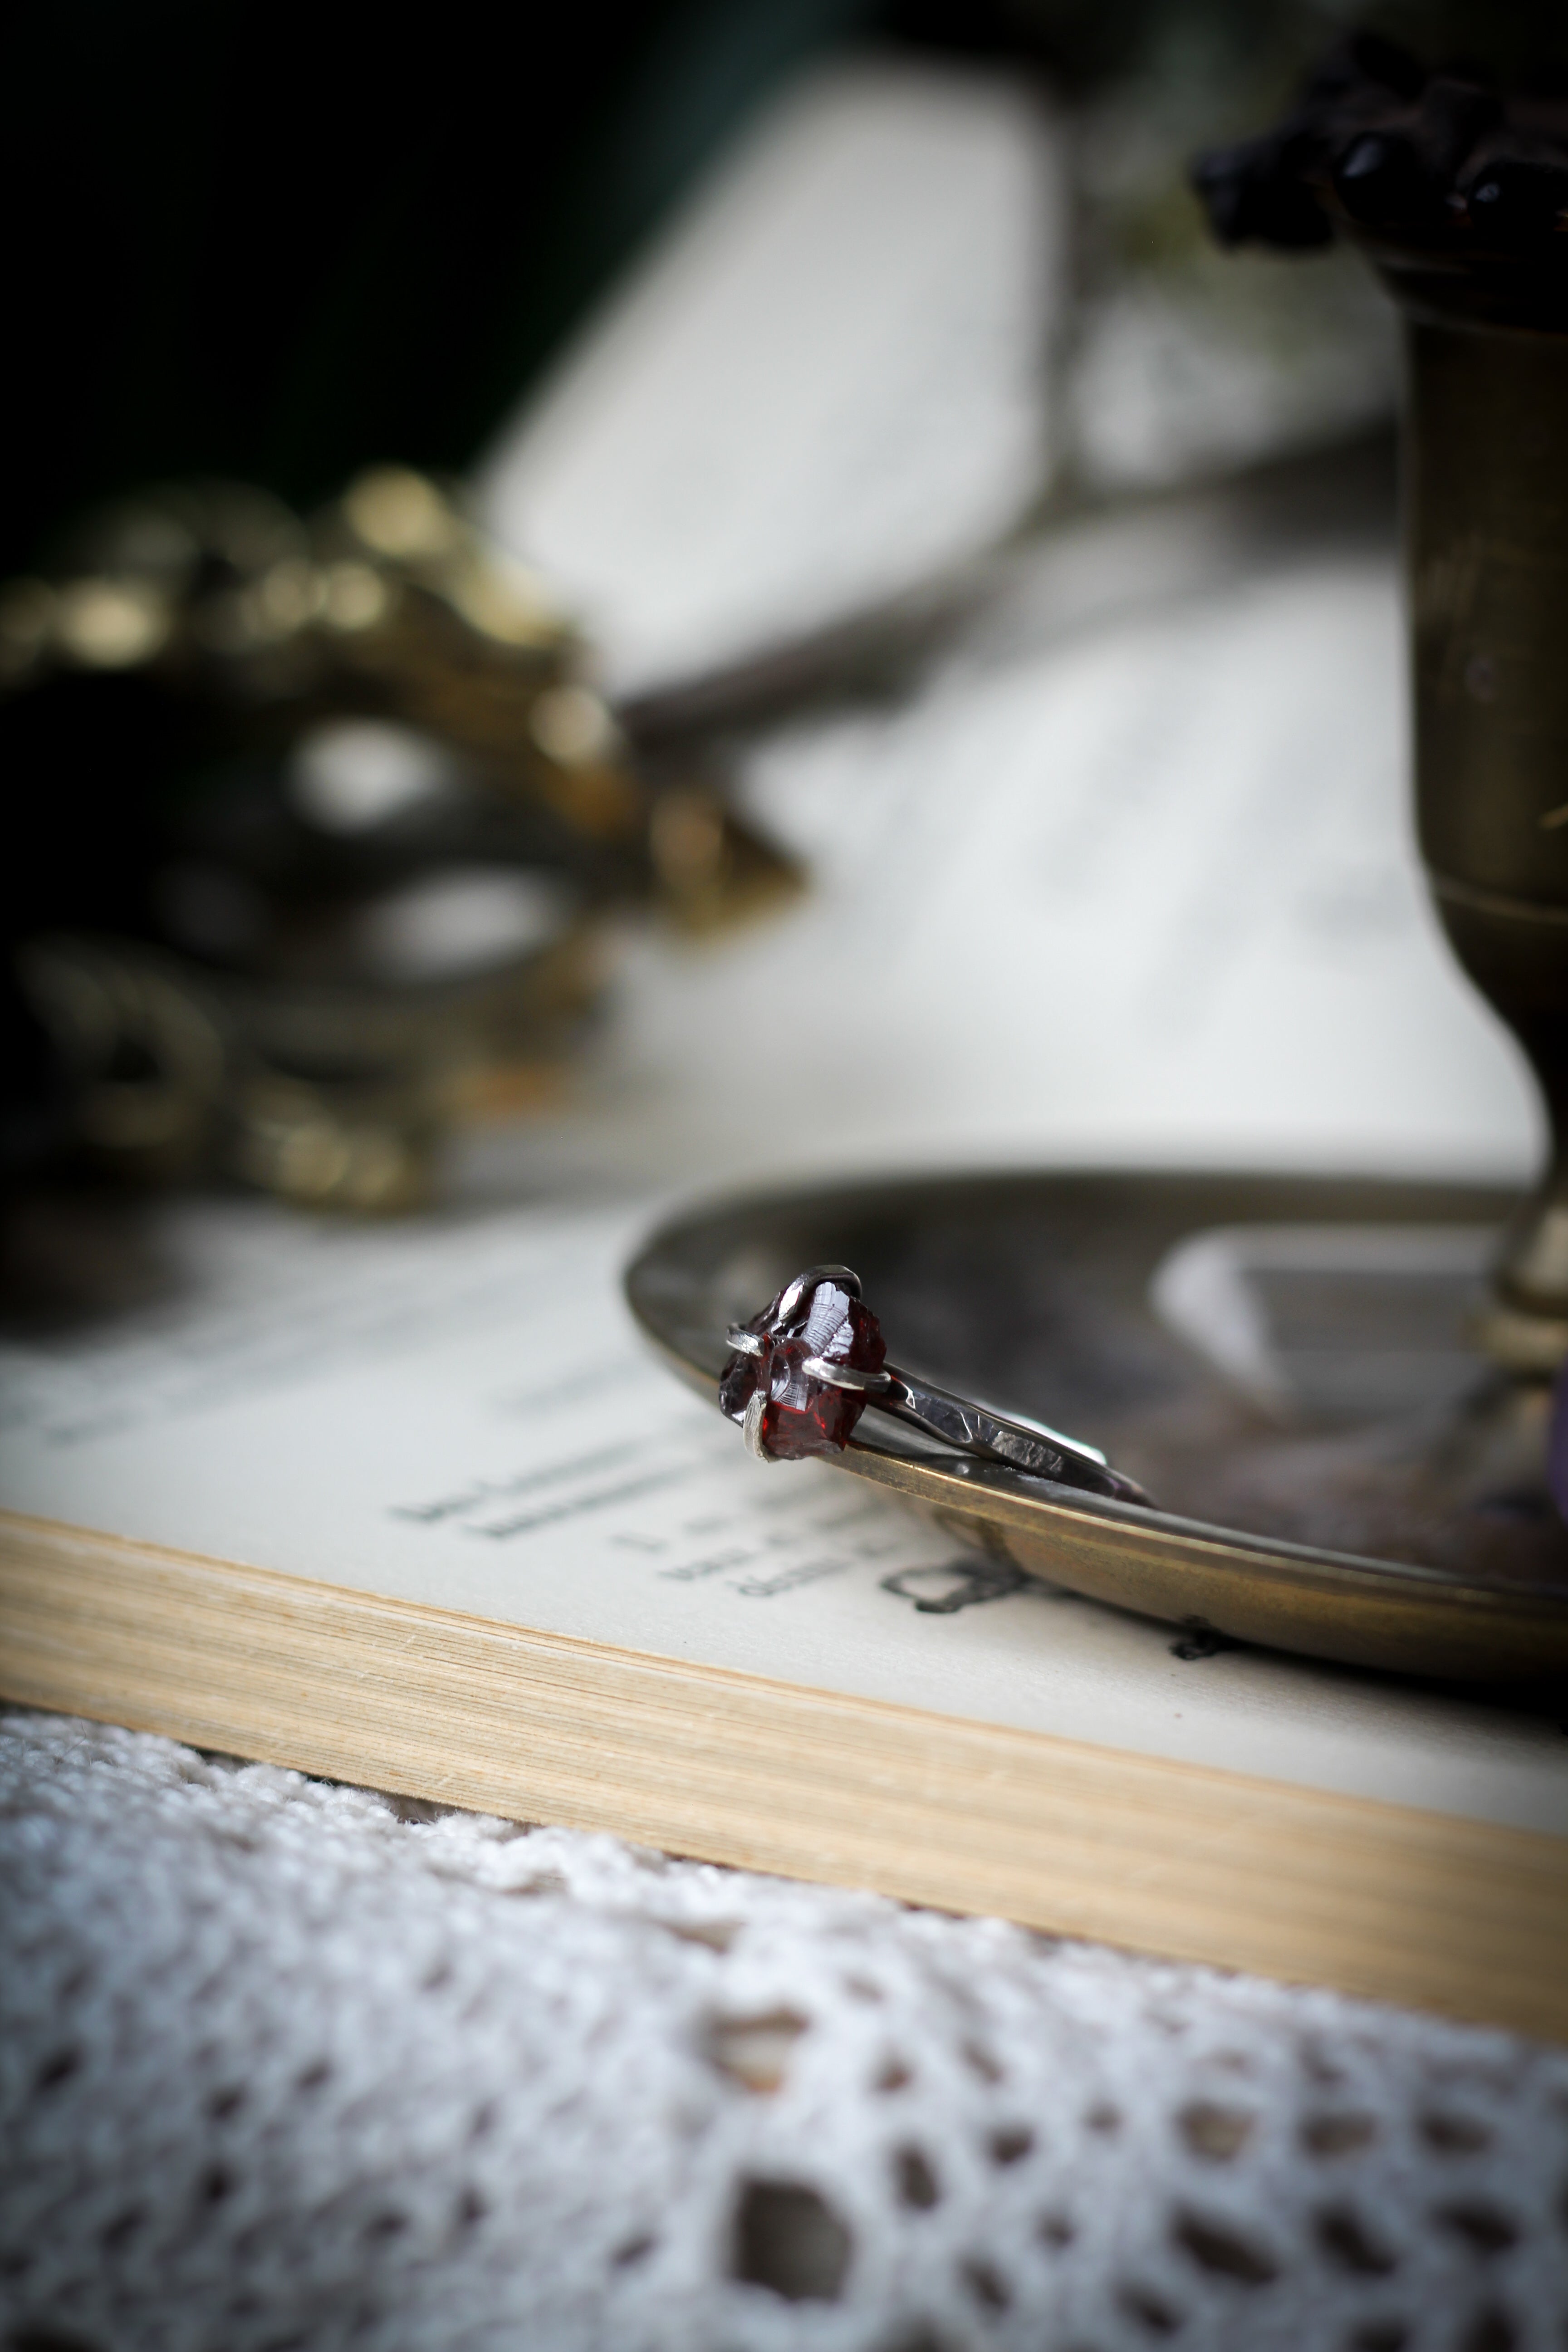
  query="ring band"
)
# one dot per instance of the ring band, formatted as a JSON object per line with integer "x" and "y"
{"x": 801, "y": 1373}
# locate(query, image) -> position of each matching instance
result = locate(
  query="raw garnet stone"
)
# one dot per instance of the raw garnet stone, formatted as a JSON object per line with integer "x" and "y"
{"x": 813, "y": 1316}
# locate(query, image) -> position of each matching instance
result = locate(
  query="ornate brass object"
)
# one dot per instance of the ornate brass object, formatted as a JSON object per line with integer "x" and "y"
{"x": 1323, "y": 1532}
{"x": 386, "y": 815}
{"x": 1459, "y": 196}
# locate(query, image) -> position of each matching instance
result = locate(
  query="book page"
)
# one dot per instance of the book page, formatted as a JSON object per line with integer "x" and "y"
{"x": 826, "y": 381}
{"x": 1132, "y": 877}
{"x": 460, "y": 1413}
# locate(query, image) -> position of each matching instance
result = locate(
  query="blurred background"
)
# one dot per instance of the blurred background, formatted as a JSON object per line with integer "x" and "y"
{"x": 647, "y": 593}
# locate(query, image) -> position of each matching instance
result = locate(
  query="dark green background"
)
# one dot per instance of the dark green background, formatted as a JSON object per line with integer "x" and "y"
{"x": 276, "y": 240}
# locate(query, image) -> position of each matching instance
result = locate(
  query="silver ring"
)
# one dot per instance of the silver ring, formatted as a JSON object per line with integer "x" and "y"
{"x": 802, "y": 1372}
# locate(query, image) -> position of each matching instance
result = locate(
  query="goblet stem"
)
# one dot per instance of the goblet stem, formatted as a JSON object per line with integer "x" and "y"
{"x": 1487, "y": 545}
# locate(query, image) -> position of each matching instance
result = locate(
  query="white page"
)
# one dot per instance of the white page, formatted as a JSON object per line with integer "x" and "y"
{"x": 825, "y": 381}
{"x": 1132, "y": 876}
{"x": 460, "y": 1413}
{"x": 1142, "y": 891}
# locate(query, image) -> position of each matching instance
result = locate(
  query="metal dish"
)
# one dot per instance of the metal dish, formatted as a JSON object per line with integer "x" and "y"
{"x": 1369, "y": 1507}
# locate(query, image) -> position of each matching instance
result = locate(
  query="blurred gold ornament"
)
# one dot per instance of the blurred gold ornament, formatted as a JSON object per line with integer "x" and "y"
{"x": 415, "y": 934}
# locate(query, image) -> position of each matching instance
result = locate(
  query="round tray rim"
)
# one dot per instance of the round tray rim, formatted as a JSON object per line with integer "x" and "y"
{"x": 1353, "y": 1608}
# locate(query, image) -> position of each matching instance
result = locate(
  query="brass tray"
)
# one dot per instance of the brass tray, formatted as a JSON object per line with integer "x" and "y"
{"x": 1367, "y": 1528}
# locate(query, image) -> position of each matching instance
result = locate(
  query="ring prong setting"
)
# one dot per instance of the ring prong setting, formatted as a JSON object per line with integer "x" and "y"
{"x": 751, "y": 1426}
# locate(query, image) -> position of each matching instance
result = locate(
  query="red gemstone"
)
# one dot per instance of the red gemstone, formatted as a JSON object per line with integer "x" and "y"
{"x": 816, "y": 1315}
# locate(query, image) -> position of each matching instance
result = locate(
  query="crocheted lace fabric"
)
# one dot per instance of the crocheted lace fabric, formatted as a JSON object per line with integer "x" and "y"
{"x": 291, "y": 2064}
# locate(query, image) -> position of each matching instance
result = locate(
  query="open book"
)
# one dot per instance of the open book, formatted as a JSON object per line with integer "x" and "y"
{"x": 413, "y": 1507}
{"x": 1131, "y": 877}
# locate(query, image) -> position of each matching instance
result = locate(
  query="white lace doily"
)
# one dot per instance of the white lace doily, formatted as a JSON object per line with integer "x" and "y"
{"x": 288, "y": 2064}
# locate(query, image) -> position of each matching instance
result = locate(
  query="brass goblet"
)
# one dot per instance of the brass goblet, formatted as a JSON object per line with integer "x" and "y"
{"x": 1459, "y": 198}
{"x": 1487, "y": 525}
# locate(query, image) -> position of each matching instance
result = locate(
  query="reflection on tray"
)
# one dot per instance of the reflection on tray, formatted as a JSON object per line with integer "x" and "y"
{"x": 1331, "y": 1324}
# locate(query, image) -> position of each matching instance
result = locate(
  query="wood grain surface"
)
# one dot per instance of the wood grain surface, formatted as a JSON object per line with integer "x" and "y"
{"x": 1380, "y": 1900}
